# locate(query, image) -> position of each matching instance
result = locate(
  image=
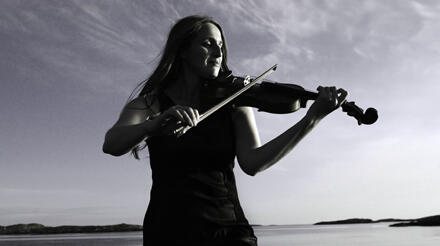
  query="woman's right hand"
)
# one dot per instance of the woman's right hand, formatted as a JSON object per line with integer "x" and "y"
{"x": 174, "y": 120}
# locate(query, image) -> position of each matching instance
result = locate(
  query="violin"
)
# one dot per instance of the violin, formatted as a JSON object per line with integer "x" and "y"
{"x": 271, "y": 97}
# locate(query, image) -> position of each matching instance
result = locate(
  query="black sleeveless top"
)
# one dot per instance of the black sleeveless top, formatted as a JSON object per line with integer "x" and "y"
{"x": 194, "y": 197}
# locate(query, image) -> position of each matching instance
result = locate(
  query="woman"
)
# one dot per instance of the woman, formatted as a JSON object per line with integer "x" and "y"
{"x": 193, "y": 197}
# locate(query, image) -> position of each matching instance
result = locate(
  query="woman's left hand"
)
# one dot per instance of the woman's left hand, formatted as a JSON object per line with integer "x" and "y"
{"x": 329, "y": 99}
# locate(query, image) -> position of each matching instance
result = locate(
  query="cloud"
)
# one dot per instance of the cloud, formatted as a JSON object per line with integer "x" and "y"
{"x": 90, "y": 45}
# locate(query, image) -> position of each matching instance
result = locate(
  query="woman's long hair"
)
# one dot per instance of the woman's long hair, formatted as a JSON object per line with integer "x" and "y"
{"x": 170, "y": 64}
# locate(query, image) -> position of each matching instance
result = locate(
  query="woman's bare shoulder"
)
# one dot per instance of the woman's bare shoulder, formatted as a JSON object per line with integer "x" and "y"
{"x": 148, "y": 101}
{"x": 138, "y": 103}
{"x": 139, "y": 109}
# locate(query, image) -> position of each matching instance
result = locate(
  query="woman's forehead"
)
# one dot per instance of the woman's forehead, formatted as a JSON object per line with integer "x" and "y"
{"x": 210, "y": 30}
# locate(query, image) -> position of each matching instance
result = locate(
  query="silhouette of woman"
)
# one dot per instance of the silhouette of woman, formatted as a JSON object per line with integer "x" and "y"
{"x": 194, "y": 198}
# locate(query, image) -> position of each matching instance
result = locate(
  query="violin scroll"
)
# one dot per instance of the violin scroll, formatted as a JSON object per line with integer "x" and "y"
{"x": 369, "y": 117}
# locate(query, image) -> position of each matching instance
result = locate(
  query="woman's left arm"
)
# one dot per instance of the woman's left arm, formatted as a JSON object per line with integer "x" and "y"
{"x": 254, "y": 157}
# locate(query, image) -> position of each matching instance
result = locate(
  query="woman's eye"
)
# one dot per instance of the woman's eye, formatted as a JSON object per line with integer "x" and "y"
{"x": 211, "y": 43}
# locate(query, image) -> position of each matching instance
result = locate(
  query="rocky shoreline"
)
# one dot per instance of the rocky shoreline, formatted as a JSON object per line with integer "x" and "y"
{"x": 35, "y": 228}
{"x": 424, "y": 221}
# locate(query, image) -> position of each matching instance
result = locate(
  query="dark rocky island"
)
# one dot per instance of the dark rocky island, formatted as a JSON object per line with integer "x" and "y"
{"x": 347, "y": 221}
{"x": 391, "y": 220}
{"x": 41, "y": 229}
{"x": 425, "y": 221}
{"x": 359, "y": 221}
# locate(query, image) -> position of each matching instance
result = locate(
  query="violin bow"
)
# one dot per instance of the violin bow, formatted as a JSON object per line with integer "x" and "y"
{"x": 179, "y": 131}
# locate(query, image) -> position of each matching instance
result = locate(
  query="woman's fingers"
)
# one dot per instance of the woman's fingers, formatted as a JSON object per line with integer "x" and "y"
{"x": 342, "y": 96}
{"x": 186, "y": 118}
{"x": 333, "y": 96}
{"x": 186, "y": 115}
{"x": 336, "y": 96}
{"x": 177, "y": 118}
{"x": 193, "y": 114}
{"x": 328, "y": 94}
{"x": 196, "y": 115}
{"x": 329, "y": 99}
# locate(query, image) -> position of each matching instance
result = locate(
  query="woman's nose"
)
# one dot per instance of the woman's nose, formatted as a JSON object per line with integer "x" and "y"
{"x": 216, "y": 51}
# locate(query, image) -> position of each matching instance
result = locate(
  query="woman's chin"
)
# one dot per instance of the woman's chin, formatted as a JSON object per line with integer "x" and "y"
{"x": 211, "y": 74}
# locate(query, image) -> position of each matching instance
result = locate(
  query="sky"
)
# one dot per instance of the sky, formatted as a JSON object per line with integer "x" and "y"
{"x": 68, "y": 67}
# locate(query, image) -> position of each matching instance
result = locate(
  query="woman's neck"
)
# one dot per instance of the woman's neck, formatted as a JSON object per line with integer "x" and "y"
{"x": 185, "y": 90}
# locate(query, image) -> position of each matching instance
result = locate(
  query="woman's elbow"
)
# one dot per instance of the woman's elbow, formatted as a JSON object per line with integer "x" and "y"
{"x": 251, "y": 166}
{"x": 250, "y": 172}
{"x": 110, "y": 146}
{"x": 247, "y": 168}
{"x": 111, "y": 151}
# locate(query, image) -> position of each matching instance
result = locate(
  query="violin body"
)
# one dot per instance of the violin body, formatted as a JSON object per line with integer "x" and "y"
{"x": 273, "y": 97}
{"x": 266, "y": 97}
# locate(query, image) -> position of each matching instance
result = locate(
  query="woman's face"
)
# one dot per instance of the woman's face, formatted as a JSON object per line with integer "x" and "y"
{"x": 204, "y": 55}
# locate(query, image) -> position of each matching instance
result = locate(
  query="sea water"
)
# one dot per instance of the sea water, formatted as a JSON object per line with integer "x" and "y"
{"x": 379, "y": 234}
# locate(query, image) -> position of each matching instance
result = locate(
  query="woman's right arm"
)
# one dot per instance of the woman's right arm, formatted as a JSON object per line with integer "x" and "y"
{"x": 132, "y": 127}
{"x": 138, "y": 122}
